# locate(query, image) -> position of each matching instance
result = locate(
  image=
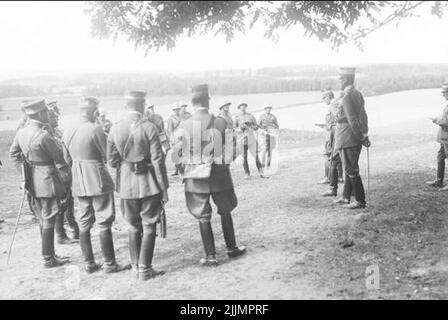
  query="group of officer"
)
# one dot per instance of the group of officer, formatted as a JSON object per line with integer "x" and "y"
{"x": 347, "y": 127}
{"x": 73, "y": 164}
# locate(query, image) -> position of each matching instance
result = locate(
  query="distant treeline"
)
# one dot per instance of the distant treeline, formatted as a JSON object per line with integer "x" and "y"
{"x": 371, "y": 79}
{"x": 11, "y": 91}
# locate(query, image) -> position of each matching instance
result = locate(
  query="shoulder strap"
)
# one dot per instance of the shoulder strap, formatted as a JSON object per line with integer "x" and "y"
{"x": 131, "y": 134}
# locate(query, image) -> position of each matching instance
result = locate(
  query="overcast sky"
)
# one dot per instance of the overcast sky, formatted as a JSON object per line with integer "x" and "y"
{"x": 54, "y": 38}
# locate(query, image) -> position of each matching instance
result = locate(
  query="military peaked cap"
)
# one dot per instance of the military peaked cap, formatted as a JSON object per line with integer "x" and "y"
{"x": 89, "y": 102}
{"x": 200, "y": 91}
{"x": 33, "y": 107}
{"x": 347, "y": 71}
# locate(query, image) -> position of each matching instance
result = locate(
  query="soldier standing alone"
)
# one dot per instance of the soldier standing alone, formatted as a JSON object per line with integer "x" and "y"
{"x": 48, "y": 173}
{"x": 92, "y": 184}
{"x": 442, "y": 138}
{"x": 214, "y": 182}
{"x": 134, "y": 149}
{"x": 350, "y": 136}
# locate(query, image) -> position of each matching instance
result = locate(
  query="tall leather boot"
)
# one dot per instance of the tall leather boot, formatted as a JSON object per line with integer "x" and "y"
{"x": 61, "y": 234}
{"x": 360, "y": 195}
{"x": 70, "y": 217}
{"x": 145, "y": 270}
{"x": 135, "y": 243}
{"x": 86, "y": 248}
{"x": 107, "y": 247}
{"x": 229, "y": 237}
{"x": 48, "y": 254}
{"x": 209, "y": 244}
{"x": 438, "y": 183}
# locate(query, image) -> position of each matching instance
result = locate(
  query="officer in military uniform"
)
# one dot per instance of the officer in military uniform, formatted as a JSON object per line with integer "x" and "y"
{"x": 105, "y": 123}
{"x": 350, "y": 136}
{"x": 333, "y": 160}
{"x": 442, "y": 138}
{"x": 268, "y": 123}
{"x": 92, "y": 184}
{"x": 134, "y": 148}
{"x": 173, "y": 123}
{"x": 207, "y": 175}
{"x": 157, "y": 120}
{"x": 46, "y": 173}
{"x": 246, "y": 125}
{"x": 184, "y": 114}
{"x": 67, "y": 204}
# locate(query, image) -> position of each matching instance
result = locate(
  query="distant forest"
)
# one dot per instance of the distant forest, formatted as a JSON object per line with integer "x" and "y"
{"x": 372, "y": 79}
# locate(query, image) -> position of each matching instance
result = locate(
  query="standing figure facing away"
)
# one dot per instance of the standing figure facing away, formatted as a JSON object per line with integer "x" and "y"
{"x": 134, "y": 149}
{"x": 92, "y": 184}
{"x": 207, "y": 176}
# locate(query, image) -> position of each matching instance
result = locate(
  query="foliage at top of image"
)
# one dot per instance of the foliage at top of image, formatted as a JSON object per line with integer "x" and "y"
{"x": 159, "y": 24}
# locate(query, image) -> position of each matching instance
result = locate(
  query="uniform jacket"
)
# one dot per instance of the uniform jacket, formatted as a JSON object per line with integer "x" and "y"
{"x": 228, "y": 118}
{"x": 442, "y": 136}
{"x": 352, "y": 120}
{"x": 86, "y": 153}
{"x": 37, "y": 146}
{"x": 172, "y": 124}
{"x": 185, "y": 115}
{"x": 267, "y": 122}
{"x": 157, "y": 120}
{"x": 144, "y": 144}
{"x": 220, "y": 177}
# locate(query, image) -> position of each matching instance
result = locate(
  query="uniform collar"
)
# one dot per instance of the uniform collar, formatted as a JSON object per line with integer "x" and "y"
{"x": 37, "y": 123}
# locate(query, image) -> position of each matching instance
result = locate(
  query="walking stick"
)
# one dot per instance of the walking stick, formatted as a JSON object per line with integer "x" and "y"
{"x": 368, "y": 174}
{"x": 17, "y": 224}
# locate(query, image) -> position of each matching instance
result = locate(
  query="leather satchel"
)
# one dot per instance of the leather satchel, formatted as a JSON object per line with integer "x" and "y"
{"x": 198, "y": 171}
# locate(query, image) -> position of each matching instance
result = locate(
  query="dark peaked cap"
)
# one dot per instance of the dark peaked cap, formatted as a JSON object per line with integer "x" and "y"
{"x": 200, "y": 91}
{"x": 33, "y": 107}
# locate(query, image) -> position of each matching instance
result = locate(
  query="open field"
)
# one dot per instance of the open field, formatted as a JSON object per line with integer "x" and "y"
{"x": 297, "y": 240}
{"x": 294, "y": 110}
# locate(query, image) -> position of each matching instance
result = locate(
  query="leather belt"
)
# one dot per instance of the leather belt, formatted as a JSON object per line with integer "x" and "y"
{"x": 40, "y": 163}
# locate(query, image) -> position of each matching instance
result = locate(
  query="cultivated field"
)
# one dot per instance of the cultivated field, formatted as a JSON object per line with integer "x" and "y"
{"x": 300, "y": 245}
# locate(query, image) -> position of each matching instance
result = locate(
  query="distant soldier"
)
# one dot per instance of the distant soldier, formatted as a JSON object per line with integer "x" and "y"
{"x": 442, "y": 138}
{"x": 134, "y": 149}
{"x": 173, "y": 123}
{"x": 246, "y": 125}
{"x": 212, "y": 178}
{"x": 268, "y": 124}
{"x": 184, "y": 114}
{"x": 105, "y": 123}
{"x": 67, "y": 204}
{"x": 333, "y": 160}
{"x": 92, "y": 184}
{"x": 157, "y": 120}
{"x": 350, "y": 136}
{"x": 46, "y": 173}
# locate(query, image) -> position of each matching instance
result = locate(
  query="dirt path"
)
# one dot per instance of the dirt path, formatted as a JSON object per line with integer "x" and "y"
{"x": 293, "y": 237}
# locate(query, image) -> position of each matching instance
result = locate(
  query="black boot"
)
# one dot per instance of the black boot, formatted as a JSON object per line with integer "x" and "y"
{"x": 48, "y": 254}
{"x": 360, "y": 195}
{"x": 145, "y": 270}
{"x": 229, "y": 237}
{"x": 209, "y": 244}
{"x": 62, "y": 237}
{"x": 86, "y": 248}
{"x": 107, "y": 247}
{"x": 135, "y": 242}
